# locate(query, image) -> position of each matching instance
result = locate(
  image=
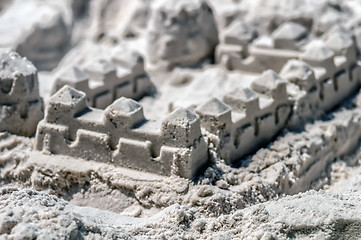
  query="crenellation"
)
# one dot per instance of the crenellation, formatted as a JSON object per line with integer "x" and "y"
{"x": 271, "y": 85}
{"x": 289, "y": 41}
{"x": 107, "y": 80}
{"x": 125, "y": 112}
{"x": 182, "y": 127}
{"x": 313, "y": 81}
{"x": 64, "y": 105}
{"x": 243, "y": 100}
{"x": 170, "y": 119}
{"x": 300, "y": 78}
{"x": 73, "y": 77}
{"x": 313, "y": 76}
{"x": 242, "y": 124}
{"x": 215, "y": 117}
{"x": 318, "y": 55}
{"x": 120, "y": 134}
{"x": 102, "y": 74}
{"x": 129, "y": 59}
{"x": 290, "y": 36}
{"x": 303, "y": 90}
{"x": 331, "y": 62}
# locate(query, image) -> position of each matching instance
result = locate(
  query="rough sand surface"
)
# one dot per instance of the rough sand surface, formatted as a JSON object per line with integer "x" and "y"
{"x": 30, "y": 214}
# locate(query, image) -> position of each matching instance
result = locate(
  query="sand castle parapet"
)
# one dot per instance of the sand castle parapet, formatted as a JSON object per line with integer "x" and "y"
{"x": 290, "y": 40}
{"x": 313, "y": 83}
{"x": 247, "y": 118}
{"x": 121, "y": 135}
{"x": 104, "y": 81}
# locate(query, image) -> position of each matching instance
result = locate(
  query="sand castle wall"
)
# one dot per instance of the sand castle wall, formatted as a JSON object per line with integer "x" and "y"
{"x": 247, "y": 53}
{"x": 243, "y": 121}
{"x": 104, "y": 81}
{"x": 321, "y": 77}
{"x": 247, "y": 118}
{"x": 121, "y": 135}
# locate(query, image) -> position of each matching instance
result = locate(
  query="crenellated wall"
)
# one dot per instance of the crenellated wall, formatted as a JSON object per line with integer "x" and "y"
{"x": 314, "y": 78}
{"x": 247, "y": 118}
{"x": 121, "y": 135}
{"x": 289, "y": 41}
{"x": 104, "y": 81}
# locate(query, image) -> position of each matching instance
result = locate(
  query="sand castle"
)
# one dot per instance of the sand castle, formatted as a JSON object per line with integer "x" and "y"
{"x": 104, "y": 81}
{"x": 121, "y": 135}
{"x": 242, "y": 122}
{"x": 248, "y": 117}
{"x": 244, "y": 51}
{"x": 300, "y": 78}
{"x": 21, "y": 107}
{"x": 319, "y": 78}
{"x": 180, "y": 119}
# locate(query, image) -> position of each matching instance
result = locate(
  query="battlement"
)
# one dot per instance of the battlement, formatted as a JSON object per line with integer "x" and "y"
{"x": 289, "y": 35}
{"x": 103, "y": 81}
{"x": 247, "y": 118}
{"x": 289, "y": 41}
{"x": 243, "y": 100}
{"x": 120, "y": 134}
{"x": 21, "y": 107}
{"x": 318, "y": 55}
{"x": 337, "y": 75}
{"x": 300, "y": 74}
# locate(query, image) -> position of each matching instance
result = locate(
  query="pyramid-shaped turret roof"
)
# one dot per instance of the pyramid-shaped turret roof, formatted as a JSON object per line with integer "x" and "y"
{"x": 213, "y": 107}
{"x": 124, "y": 106}
{"x": 73, "y": 74}
{"x": 100, "y": 66}
{"x": 243, "y": 94}
{"x": 241, "y": 30}
{"x": 338, "y": 29}
{"x": 337, "y": 41}
{"x": 128, "y": 58}
{"x": 181, "y": 117}
{"x": 289, "y": 30}
{"x": 316, "y": 50}
{"x": 296, "y": 69}
{"x": 67, "y": 96}
{"x": 267, "y": 81}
